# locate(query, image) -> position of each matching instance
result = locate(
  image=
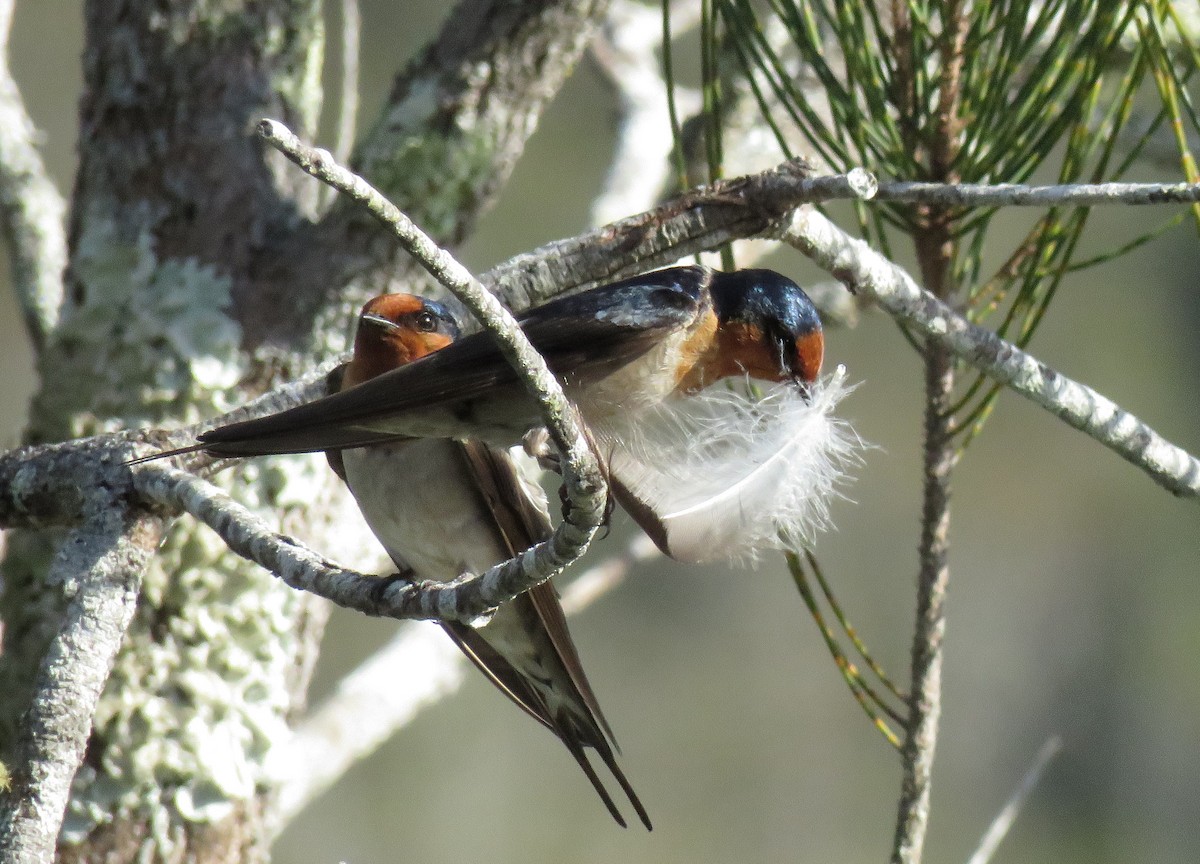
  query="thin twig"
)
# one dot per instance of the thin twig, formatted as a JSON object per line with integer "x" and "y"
{"x": 1021, "y": 195}
{"x": 1000, "y": 826}
{"x": 869, "y": 274}
{"x": 696, "y": 221}
{"x": 32, "y": 210}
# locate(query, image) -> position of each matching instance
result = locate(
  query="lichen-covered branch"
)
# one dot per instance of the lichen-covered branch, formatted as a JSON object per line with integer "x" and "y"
{"x": 696, "y": 221}
{"x": 99, "y": 567}
{"x": 1023, "y": 195}
{"x": 251, "y": 537}
{"x": 40, "y": 486}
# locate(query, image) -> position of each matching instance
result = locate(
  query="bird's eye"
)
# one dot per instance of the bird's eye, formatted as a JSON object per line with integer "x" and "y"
{"x": 426, "y": 322}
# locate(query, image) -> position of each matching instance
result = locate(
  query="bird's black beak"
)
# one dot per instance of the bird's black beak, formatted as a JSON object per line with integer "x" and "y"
{"x": 379, "y": 321}
{"x": 790, "y": 363}
{"x": 805, "y": 388}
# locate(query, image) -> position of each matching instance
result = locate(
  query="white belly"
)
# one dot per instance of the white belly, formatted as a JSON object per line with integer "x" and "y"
{"x": 418, "y": 501}
{"x": 414, "y": 498}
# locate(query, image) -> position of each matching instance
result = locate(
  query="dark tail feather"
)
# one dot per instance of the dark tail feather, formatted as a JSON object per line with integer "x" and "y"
{"x": 607, "y": 755}
{"x": 575, "y": 734}
{"x": 212, "y": 443}
{"x": 576, "y": 750}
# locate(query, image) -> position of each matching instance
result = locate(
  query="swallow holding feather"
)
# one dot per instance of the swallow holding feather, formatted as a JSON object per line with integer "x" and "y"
{"x": 706, "y": 469}
{"x": 441, "y": 508}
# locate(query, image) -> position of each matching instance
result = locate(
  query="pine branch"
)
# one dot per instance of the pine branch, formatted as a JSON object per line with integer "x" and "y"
{"x": 868, "y": 273}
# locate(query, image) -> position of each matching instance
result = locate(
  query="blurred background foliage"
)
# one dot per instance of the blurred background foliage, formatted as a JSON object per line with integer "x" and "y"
{"x": 1074, "y": 610}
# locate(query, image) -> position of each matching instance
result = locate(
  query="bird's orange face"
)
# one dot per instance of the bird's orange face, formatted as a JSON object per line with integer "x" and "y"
{"x": 395, "y": 329}
{"x": 736, "y": 348}
{"x": 810, "y": 353}
{"x": 748, "y": 351}
{"x": 769, "y": 328}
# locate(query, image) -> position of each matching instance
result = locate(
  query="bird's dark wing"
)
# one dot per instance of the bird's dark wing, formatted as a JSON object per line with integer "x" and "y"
{"x": 520, "y": 523}
{"x": 582, "y": 337}
{"x": 333, "y": 383}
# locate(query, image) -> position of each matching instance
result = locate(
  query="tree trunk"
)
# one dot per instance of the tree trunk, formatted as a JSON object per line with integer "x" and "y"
{"x": 200, "y": 273}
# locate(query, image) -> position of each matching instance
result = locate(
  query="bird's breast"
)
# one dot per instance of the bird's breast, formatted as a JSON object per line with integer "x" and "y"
{"x": 652, "y": 378}
{"x": 432, "y": 519}
{"x": 422, "y": 508}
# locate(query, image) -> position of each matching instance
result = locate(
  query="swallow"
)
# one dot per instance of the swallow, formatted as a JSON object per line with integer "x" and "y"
{"x": 617, "y": 349}
{"x": 622, "y": 351}
{"x": 441, "y": 508}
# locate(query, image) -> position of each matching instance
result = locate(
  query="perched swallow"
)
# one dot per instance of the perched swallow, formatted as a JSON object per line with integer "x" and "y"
{"x": 625, "y": 353}
{"x": 617, "y": 349}
{"x": 441, "y": 508}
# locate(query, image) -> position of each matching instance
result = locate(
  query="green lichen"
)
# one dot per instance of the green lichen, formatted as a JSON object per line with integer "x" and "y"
{"x": 434, "y": 178}
{"x": 200, "y": 691}
{"x": 147, "y": 340}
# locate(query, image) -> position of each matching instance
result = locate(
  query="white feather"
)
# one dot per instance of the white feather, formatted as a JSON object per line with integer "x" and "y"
{"x": 728, "y": 475}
